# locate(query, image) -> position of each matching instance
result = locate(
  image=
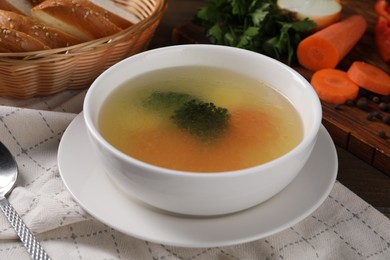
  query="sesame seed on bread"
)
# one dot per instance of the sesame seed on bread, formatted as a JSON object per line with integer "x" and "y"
{"x": 74, "y": 18}
{"x": 49, "y": 36}
{"x": 16, "y": 41}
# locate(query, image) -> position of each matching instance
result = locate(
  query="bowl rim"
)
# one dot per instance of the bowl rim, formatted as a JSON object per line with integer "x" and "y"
{"x": 310, "y": 137}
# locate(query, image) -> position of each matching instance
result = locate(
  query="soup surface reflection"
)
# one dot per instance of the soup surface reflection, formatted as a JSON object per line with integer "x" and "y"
{"x": 200, "y": 119}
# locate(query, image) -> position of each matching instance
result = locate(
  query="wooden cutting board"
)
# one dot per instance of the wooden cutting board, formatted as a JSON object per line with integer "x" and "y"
{"x": 348, "y": 125}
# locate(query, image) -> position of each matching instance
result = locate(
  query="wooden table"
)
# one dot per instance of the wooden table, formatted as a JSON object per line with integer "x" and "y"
{"x": 366, "y": 181}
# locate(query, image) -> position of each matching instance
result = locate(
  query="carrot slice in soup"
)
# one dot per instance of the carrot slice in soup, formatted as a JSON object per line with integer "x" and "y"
{"x": 326, "y": 48}
{"x": 370, "y": 77}
{"x": 334, "y": 86}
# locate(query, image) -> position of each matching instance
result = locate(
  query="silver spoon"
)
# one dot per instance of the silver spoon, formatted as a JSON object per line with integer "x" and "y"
{"x": 8, "y": 176}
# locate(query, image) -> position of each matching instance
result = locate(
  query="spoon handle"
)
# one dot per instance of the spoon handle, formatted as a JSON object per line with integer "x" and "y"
{"x": 28, "y": 239}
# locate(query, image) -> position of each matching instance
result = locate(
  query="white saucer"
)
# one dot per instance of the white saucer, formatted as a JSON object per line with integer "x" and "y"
{"x": 92, "y": 189}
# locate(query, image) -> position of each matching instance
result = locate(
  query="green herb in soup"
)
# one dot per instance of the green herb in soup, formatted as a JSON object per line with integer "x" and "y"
{"x": 203, "y": 120}
{"x": 166, "y": 101}
{"x": 200, "y": 119}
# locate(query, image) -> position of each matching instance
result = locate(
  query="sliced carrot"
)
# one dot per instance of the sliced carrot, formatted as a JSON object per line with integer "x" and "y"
{"x": 327, "y": 47}
{"x": 382, "y": 8}
{"x": 382, "y": 37}
{"x": 369, "y": 77}
{"x": 334, "y": 86}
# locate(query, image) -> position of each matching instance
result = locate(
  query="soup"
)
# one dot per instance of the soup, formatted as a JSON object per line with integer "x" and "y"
{"x": 200, "y": 119}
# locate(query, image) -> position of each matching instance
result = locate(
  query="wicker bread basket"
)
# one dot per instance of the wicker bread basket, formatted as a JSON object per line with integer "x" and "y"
{"x": 41, "y": 73}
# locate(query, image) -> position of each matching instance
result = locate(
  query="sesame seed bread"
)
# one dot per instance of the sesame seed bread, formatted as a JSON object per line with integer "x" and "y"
{"x": 3, "y": 49}
{"x": 44, "y": 24}
{"x": 114, "y": 12}
{"x": 16, "y": 41}
{"x": 17, "y": 6}
{"x": 49, "y": 36}
{"x": 74, "y": 18}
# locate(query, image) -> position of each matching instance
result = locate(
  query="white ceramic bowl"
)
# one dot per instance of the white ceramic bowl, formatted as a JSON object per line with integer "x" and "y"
{"x": 212, "y": 193}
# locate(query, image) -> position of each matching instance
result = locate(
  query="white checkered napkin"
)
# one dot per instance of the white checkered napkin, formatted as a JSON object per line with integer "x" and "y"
{"x": 39, "y": 197}
{"x": 70, "y": 101}
{"x": 344, "y": 227}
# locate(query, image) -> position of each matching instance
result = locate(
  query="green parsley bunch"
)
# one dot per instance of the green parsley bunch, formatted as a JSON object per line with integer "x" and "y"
{"x": 256, "y": 25}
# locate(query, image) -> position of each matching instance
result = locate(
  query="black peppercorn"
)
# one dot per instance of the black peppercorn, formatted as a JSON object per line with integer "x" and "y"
{"x": 370, "y": 116}
{"x": 382, "y": 134}
{"x": 386, "y": 120}
{"x": 362, "y": 103}
{"x": 383, "y": 106}
{"x": 350, "y": 102}
{"x": 376, "y": 99}
{"x": 377, "y": 115}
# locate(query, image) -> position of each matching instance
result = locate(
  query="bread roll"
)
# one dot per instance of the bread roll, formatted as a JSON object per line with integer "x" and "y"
{"x": 74, "y": 18}
{"x": 3, "y": 49}
{"x": 15, "y": 41}
{"x": 17, "y": 6}
{"x": 49, "y": 36}
{"x": 113, "y": 12}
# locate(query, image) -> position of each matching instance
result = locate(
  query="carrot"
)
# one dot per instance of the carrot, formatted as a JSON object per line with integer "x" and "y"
{"x": 326, "y": 48}
{"x": 382, "y": 8}
{"x": 334, "y": 86}
{"x": 382, "y": 38}
{"x": 369, "y": 77}
{"x": 246, "y": 143}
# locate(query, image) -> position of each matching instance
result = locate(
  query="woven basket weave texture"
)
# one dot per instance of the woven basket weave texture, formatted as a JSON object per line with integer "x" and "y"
{"x": 41, "y": 73}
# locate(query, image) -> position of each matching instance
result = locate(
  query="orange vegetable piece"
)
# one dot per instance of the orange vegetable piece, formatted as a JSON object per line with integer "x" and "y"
{"x": 327, "y": 47}
{"x": 179, "y": 150}
{"x": 334, "y": 86}
{"x": 369, "y": 77}
{"x": 382, "y": 37}
{"x": 382, "y": 8}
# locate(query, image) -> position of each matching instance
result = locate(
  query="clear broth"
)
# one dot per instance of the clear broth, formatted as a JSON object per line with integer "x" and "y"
{"x": 263, "y": 124}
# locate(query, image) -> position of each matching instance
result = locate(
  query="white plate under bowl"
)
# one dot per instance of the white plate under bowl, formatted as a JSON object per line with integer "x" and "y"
{"x": 92, "y": 189}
